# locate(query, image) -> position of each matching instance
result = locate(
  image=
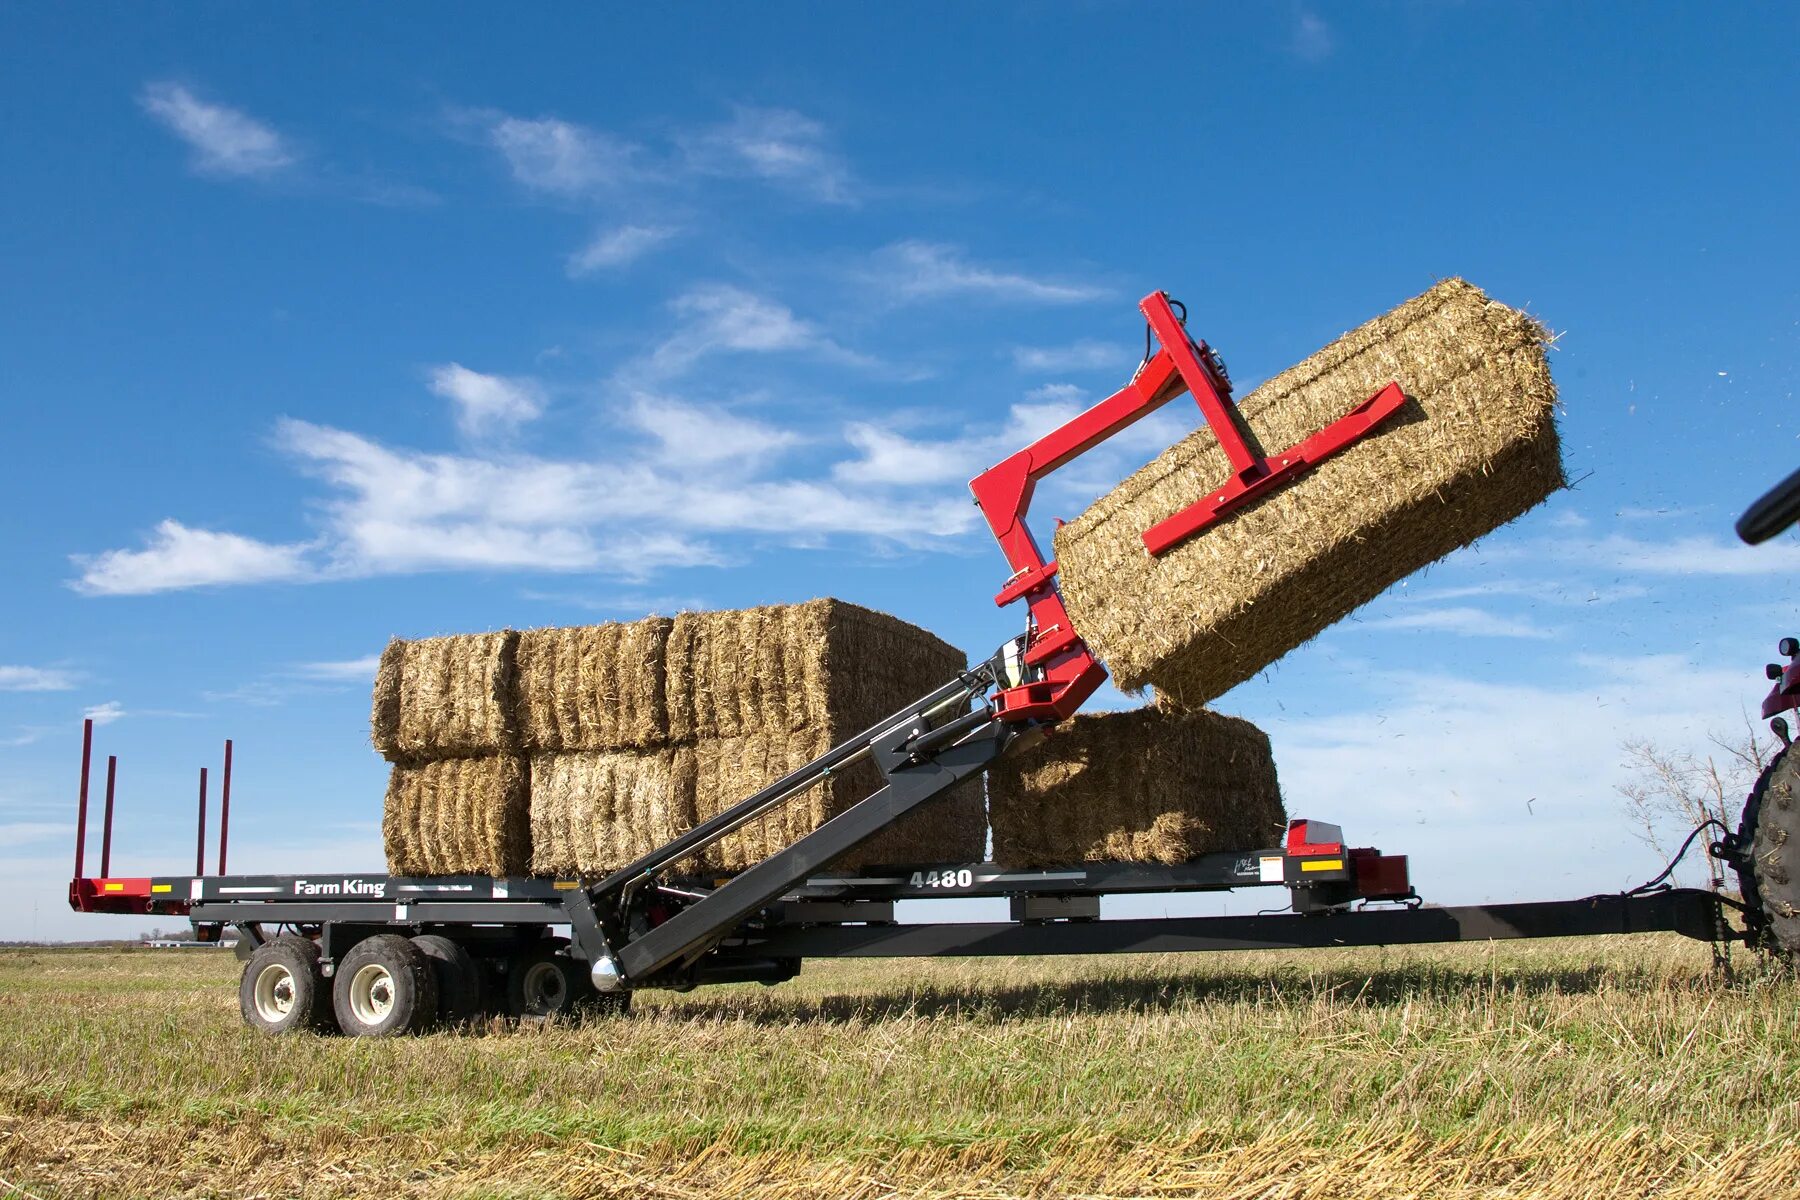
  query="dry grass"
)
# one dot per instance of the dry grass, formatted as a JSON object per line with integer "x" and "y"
{"x": 1150, "y": 785}
{"x": 1556, "y": 1069}
{"x": 593, "y": 687}
{"x": 1474, "y": 447}
{"x": 459, "y": 816}
{"x": 446, "y": 697}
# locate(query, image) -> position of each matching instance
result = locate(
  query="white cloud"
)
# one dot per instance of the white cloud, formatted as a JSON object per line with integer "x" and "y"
{"x": 1312, "y": 39}
{"x": 17, "y": 833}
{"x": 104, "y": 714}
{"x": 1498, "y": 791}
{"x": 180, "y": 557}
{"x": 487, "y": 405}
{"x": 1676, "y": 556}
{"x": 35, "y": 679}
{"x": 722, "y": 318}
{"x": 344, "y": 670}
{"x": 561, "y": 158}
{"x": 617, "y": 248}
{"x": 689, "y": 434}
{"x": 225, "y": 141}
{"x": 916, "y": 270}
{"x": 1462, "y": 621}
{"x": 778, "y": 145}
{"x": 1076, "y": 356}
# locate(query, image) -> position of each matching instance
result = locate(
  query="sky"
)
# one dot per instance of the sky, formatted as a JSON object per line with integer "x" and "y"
{"x": 321, "y": 328}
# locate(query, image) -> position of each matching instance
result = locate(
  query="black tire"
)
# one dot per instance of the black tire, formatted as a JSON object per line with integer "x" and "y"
{"x": 385, "y": 986}
{"x": 458, "y": 978}
{"x": 1771, "y": 882}
{"x": 282, "y": 991}
{"x": 543, "y": 981}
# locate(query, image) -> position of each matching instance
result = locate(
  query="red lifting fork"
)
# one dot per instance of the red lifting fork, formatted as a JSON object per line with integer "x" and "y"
{"x": 1070, "y": 671}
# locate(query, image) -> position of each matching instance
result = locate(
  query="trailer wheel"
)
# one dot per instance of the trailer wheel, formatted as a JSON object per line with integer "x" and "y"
{"x": 1771, "y": 831}
{"x": 281, "y": 990}
{"x": 384, "y": 986}
{"x": 545, "y": 982}
{"x": 458, "y": 977}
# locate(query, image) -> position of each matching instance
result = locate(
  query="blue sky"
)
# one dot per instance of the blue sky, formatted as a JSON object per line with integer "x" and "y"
{"x": 316, "y": 332}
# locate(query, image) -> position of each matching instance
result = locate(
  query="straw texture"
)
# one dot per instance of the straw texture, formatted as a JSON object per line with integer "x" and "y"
{"x": 595, "y": 687}
{"x": 1149, "y": 785}
{"x": 459, "y": 816}
{"x": 1474, "y": 447}
{"x": 446, "y": 697}
{"x": 593, "y": 812}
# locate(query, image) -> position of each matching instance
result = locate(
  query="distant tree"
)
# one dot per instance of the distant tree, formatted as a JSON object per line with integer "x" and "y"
{"x": 1670, "y": 792}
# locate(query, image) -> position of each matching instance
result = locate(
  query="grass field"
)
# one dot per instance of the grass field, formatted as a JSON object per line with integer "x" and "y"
{"x": 1568, "y": 1068}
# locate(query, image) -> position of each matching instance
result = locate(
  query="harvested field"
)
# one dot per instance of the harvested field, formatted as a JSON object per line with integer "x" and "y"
{"x": 1150, "y": 785}
{"x": 593, "y": 687}
{"x": 446, "y": 697}
{"x": 1474, "y": 447}
{"x": 459, "y": 816}
{"x": 1562, "y": 1070}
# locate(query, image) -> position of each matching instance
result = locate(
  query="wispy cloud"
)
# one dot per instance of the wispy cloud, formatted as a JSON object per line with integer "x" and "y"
{"x": 224, "y": 140}
{"x": 1463, "y": 621}
{"x": 777, "y": 145}
{"x": 1311, "y": 39}
{"x": 720, "y": 318}
{"x": 618, "y": 247}
{"x": 487, "y": 405}
{"x": 36, "y": 679}
{"x": 177, "y": 556}
{"x": 105, "y": 714}
{"x": 918, "y": 270}
{"x": 1075, "y": 356}
{"x": 349, "y": 670}
{"x": 561, "y": 158}
{"x": 1691, "y": 555}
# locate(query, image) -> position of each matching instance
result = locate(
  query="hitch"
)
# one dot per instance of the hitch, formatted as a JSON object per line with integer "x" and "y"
{"x": 1068, "y": 672}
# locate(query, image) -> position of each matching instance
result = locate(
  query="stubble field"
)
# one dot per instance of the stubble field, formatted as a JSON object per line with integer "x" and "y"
{"x": 1567, "y": 1068}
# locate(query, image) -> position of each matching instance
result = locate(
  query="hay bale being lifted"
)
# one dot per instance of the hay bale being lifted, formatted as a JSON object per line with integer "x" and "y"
{"x": 446, "y": 697}
{"x": 1474, "y": 447}
{"x": 1150, "y": 785}
{"x": 459, "y": 816}
{"x": 594, "y": 687}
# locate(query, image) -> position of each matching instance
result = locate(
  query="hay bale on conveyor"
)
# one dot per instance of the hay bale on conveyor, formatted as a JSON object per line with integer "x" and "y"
{"x": 593, "y": 812}
{"x": 446, "y": 697}
{"x": 1150, "y": 785}
{"x": 1474, "y": 447}
{"x": 594, "y": 687}
{"x": 458, "y": 816}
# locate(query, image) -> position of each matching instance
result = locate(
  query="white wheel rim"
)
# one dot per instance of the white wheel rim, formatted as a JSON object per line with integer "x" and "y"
{"x": 545, "y": 988}
{"x": 275, "y": 989}
{"x": 372, "y": 994}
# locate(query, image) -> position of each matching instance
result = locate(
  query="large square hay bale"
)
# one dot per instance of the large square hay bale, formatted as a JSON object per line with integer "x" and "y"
{"x": 459, "y": 816}
{"x": 593, "y": 812}
{"x": 952, "y": 828}
{"x": 446, "y": 697}
{"x": 1150, "y": 785}
{"x": 823, "y": 665}
{"x": 593, "y": 687}
{"x": 1474, "y": 447}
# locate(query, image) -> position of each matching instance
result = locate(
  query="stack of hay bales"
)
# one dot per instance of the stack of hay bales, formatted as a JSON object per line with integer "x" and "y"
{"x": 622, "y": 736}
{"x": 1474, "y": 447}
{"x": 457, "y": 796}
{"x": 1151, "y": 785}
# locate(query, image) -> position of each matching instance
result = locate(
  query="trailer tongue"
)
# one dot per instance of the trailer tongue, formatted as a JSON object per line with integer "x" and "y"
{"x": 382, "y": 954}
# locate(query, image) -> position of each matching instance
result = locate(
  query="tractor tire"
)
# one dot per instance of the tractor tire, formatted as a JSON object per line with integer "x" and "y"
{"x": 1770, "y": 880}
{"x": 458, "y": 978}
{"x": 282, "y": 990}
{"x": 384, "y": 987}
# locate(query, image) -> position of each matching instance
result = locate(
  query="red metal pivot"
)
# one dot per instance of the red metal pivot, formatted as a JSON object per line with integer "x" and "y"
{"x": 1253, "y": 474}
